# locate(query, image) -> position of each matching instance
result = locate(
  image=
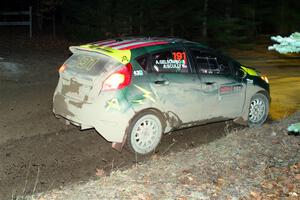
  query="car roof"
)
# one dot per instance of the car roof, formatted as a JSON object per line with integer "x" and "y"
{"x": 128, "y": 47}
{"x": 130, "y": 43}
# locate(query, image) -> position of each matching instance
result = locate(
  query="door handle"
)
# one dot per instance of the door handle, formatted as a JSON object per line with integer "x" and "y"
{"x": 209, "y": 83}
{"x": 162, "y": 82}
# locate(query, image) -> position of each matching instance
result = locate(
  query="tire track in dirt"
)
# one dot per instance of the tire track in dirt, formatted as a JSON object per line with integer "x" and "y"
{"x": 43, "y": 162}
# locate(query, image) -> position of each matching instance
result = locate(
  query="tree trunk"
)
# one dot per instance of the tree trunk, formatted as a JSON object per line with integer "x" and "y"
{"x": 141, "y": 16}
{"x": 254, "y": 18}
{"x": 228, "y": 9}
{"x": 39, "y": 15}
{"x": 112, "y": 17}
{"x": 54, "y": 24}
{"x": 172, "y": 29}
{"x": 130, "y": 20}
{"x": 204, "y": 22}
{"x": 282, "y": 26}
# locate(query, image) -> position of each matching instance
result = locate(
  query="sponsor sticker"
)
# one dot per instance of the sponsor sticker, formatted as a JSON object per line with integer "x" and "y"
{"x": 138, "y": 73}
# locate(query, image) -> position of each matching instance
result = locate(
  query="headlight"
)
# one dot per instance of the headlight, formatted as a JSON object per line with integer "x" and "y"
{"x": 265, "y": 79}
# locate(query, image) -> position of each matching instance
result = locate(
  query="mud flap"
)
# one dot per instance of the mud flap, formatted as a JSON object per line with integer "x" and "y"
{"x": 241, "y": 121}
{"x": 119, "y": 145}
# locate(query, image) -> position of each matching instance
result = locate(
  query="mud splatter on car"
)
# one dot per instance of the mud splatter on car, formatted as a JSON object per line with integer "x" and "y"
{"x": 132, "y": 90}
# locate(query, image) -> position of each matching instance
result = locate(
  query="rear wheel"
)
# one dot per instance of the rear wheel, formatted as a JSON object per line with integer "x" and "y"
{"x": 258, "y": 110}
{"x": 144, "y": 133}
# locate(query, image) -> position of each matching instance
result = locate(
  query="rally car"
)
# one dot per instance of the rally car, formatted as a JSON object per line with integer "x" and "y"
{"x": 133, "y": 90}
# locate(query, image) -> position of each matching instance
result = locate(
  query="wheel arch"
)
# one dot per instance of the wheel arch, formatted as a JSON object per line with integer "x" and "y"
{"x": 244, "y": 118}
{"x": 132, "y": 122}
{"x": 161, "y": 116}
{"x": 267, "y": 96}
{"x": 154, "y": 110}
{"x": 264, "y": 92}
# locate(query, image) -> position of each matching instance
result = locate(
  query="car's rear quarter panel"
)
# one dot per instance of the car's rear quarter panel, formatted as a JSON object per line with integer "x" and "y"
{"x": 81, "y": 102}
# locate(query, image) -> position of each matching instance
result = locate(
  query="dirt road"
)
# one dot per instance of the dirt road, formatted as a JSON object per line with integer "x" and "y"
{"x": 38, "y": 152}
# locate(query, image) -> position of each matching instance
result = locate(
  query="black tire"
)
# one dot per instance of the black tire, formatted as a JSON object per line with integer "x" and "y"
{"x": 258, "y": 110}
{"x": 144, "y": 132}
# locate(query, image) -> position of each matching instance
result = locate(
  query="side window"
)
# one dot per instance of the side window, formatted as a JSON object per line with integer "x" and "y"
{"x": 224, "y": 65}
{"x": 235, "y": 67}
{"x": 213, "y": 64}
{"x": 170, "y": 62}
{"x": 210, "y": 64}
{"x": 143, "y": 62}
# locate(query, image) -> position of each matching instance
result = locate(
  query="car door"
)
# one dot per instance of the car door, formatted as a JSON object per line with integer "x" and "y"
{"x": 176, "y": 86}
{"x": 223, "y": 92}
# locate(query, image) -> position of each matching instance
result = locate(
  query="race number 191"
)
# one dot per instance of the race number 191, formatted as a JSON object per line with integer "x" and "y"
{"x": 179, "y": 55}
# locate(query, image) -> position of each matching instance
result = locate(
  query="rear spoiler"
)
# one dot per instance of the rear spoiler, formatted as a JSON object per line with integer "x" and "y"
{"x": 123, "y": 56}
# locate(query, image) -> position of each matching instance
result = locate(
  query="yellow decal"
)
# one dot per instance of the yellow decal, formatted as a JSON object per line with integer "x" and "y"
{"x": 249, "y": 71}
{"x": 113, "y": 104}
{"x": 146, "y": 94}
{"x": 123, "y": 56}
{"x": 139, "y": 101}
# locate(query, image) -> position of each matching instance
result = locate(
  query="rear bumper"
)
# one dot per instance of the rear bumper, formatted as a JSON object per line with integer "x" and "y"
{"x": 109, "y": 122}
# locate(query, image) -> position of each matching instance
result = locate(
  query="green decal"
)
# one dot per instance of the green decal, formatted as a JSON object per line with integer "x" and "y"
{"x": 146, "y": 94}
{"x": 113, "y": 104}
{"x": 124, "y": 58}
{"x": 249, "y": 71}
{"x": 137, "y": 101}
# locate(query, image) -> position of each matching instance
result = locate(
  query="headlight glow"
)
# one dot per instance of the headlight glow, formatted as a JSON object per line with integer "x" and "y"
{"x": 265, "y": 79}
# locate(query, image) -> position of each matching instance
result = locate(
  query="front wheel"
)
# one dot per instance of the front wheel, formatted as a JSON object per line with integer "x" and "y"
{"x": 144, "y": 133}
{"x": 258, "y": 110}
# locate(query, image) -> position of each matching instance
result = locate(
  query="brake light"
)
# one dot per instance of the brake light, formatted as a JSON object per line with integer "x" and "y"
{"x": 119, "y": 79}
{"x": 62, "y": 68}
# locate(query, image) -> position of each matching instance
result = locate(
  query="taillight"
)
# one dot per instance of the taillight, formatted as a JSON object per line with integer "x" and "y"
{"x": 119, "y": 79}
{"x": 62, "y": 68}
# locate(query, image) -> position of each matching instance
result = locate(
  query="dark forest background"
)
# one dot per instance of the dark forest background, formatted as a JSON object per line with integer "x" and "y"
{"x": 220, "y": 21}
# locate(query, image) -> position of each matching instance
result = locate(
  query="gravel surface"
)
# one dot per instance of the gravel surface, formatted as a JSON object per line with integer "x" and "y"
{"x": 256, "y": 163}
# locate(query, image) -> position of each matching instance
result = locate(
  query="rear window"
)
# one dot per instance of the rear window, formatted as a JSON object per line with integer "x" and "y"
{"x": 82, "y": 61}
{"x": 90, "y": 63}
{"x": 143, "y": 62}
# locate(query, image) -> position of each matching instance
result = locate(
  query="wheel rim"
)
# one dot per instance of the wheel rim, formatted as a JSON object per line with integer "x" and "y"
{"x": 257, "y": 110}
{"x": 146, "y": 134}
